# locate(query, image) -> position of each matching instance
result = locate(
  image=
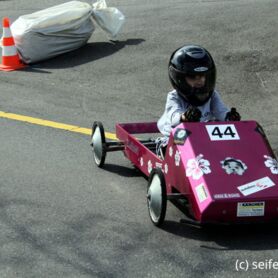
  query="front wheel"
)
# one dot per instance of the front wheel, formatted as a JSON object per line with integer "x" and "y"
{"x": 156, "y": 197}
{"x": 98, "y": 143}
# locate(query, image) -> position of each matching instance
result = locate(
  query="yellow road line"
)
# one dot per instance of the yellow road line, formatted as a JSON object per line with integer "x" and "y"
{"x": 52, "y": 124}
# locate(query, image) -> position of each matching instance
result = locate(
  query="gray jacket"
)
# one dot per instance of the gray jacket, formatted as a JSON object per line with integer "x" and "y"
{"x": 214, "y": 109}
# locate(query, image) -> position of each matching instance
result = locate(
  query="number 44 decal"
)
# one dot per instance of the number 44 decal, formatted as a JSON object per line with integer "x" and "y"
{"x": 222, "y": 132}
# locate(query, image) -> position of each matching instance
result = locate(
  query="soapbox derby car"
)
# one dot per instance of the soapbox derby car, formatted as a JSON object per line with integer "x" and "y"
{"x": 220, "y": 172}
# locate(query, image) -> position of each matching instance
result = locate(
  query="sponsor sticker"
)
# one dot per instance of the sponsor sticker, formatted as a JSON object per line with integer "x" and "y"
{"x": 133, "y": 147}
{"x": 256, "y": 186}
{"x": 222, "y": 132}
{"x": 201, "y": 192}
{"x": 180, "y": 136}
{"x": 226, "y": 196}
{"x": 158, "y": 165}
{"x": 250, "y": 209}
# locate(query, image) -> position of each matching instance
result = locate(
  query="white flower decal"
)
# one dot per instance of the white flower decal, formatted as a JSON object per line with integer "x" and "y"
{"x": 166, "y": 168}
{"x": 177, "y": 158}
{"x": 233, "y": 166}
{"x": 197, "y": 167}
{"x": 150, "y": 166}
{"x": 171, "y": 151}
{"x": 141, "y": 161}
{"x": 272, "y": 164}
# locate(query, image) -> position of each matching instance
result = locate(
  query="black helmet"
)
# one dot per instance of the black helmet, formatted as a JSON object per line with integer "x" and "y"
{"x": 189, "y": 61}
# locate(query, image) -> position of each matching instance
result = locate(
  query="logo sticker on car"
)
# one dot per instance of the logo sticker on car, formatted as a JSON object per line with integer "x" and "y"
{"x": 180, "y": 136}
{"x": 250, "y": 209}
{"x": 256, "y": 186}
{"x": 202, "y": 193}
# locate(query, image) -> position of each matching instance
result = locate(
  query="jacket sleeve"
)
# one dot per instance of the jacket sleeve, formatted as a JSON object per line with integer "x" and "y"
{"x": 173, "y": 109}
{"x": 171, "y": 115}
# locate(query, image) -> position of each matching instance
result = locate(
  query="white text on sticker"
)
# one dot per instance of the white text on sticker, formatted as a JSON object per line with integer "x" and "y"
{"x": 226, "y": 195}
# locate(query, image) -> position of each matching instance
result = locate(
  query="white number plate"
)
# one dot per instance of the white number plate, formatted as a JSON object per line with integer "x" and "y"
{"x": 222, "y": 132}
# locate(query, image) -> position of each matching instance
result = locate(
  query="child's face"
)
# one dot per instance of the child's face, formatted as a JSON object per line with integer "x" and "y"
{"x": 196, "y": 81}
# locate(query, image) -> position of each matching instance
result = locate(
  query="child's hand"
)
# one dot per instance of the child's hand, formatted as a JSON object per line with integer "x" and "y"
{"x": 233, "y": 115}
{"x": 192, "y": 114}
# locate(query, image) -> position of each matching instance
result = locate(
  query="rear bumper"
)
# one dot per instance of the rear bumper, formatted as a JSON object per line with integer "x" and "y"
{"x": 240, "y": 212}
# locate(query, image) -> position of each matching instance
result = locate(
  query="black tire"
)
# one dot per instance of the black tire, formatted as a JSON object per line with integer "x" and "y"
{"x": 98, "y": 144}
{"x": 156, "y": 197}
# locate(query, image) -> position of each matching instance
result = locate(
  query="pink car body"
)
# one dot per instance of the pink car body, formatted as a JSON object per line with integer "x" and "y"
{"x": 226, "y": 171}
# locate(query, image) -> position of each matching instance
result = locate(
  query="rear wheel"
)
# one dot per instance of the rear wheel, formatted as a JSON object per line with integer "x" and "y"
{"x": 98, "y": 144}
{"x": 156, "y": 197}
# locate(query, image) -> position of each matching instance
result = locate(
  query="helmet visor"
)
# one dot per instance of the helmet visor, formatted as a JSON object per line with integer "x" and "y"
{"x": 195, "y": 87}
{"x": 196, "y": 80}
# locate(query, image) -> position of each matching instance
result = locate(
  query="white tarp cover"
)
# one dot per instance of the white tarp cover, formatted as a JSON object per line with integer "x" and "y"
{"x": 62, "y": 28}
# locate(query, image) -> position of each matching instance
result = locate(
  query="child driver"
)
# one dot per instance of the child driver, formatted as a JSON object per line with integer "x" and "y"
{"x": 192, "y": 73}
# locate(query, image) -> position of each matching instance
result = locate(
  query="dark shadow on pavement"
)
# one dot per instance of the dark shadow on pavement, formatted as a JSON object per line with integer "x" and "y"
{"x": 88, "y": 53}
{"x": 35, "y": 70}
{"x": 227, "y": 237}
{"x": 122, "y": 170}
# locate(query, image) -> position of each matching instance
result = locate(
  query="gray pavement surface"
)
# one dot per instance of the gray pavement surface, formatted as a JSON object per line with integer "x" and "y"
{"x": 61, "y": 216}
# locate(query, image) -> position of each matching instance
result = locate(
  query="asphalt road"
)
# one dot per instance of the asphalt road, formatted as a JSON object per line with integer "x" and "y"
{"x": 61, "y": 216}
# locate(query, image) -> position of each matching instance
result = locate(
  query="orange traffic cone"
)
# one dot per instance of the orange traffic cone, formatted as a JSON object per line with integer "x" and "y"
{"x": 10, "y": 57}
